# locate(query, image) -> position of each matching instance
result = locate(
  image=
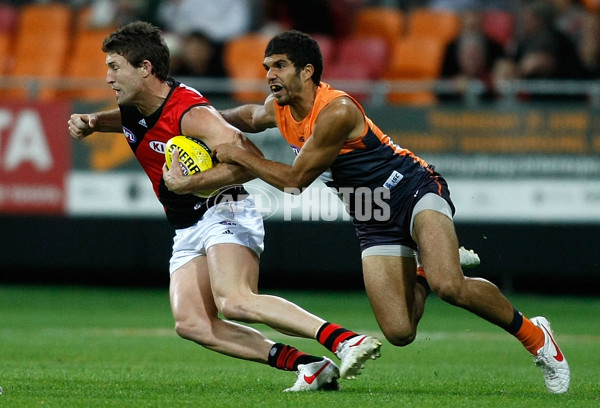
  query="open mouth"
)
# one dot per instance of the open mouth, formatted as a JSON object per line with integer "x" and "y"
{"x": 276, "y": 88}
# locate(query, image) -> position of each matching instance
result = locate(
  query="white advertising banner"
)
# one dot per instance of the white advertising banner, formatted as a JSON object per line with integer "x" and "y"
{"x": 477, "y": 200}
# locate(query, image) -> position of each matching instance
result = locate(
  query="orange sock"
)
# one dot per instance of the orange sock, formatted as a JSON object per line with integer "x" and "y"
{"x": 531, "y": 336}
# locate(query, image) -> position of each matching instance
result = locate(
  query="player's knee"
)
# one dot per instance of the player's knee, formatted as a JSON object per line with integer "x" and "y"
{"x": 449, "y": 291}
{"x": 235, "y": 308}
{"x": 400, "y": 337}
{"x": 193, "y": 329}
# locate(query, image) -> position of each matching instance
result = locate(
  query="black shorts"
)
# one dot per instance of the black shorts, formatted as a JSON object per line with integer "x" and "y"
{"x": 397, "y": 229}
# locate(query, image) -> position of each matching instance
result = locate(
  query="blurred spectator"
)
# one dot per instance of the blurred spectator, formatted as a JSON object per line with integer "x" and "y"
{"x": 473, "y": 55}
{"x": 204, "y": 27}
{"x": 463, "y": 5}
{"x": 569, "y": 17}
{"x": 542, "y": 51}
{"x": 220, "y": 20}
{"x": 309, "y": 16}
{"x": 455, "y": 5}
{"x": 194, "y": 55}
{"x": 589, "y": 44}
{"x": 120, "y": 12}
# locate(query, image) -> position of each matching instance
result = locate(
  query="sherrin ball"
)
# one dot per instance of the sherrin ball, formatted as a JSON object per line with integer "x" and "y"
{"x": 194, "y": 157}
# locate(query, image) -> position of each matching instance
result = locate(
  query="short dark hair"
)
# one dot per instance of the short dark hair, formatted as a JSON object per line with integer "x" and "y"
{"x": 300, "y": 48}
{"x": 139, "y": 41}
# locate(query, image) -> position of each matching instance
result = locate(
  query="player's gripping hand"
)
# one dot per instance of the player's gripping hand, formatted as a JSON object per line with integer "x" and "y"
{"x": 82, "y": 125}
{"x": 173, "y": 176}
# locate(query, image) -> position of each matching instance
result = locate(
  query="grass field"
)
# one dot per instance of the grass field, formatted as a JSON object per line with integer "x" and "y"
{"x": 99, "y": 347}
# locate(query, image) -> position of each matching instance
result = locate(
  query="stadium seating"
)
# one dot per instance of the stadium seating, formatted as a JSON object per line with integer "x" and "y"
{"x": 384, "y": 22}
{"x": 87, "y": 66}
{"x": 441, "y": 24}
{"x": 242, "y": 59}
{"x": 367, "y": 55}
{"x": 328, "y": 48}
{"x": 415, "y": 58}
{"x": 41, "y": 43}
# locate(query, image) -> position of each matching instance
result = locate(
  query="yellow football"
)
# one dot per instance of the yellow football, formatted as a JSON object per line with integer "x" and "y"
{"x": 194, "y": 157}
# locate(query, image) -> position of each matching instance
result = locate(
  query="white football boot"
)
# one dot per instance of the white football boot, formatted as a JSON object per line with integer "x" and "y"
{"x": 551, "y": 360}
{"x": 468, "y": 258}
{"x": 354, "y": 352}
{"x": 320, "y": 375}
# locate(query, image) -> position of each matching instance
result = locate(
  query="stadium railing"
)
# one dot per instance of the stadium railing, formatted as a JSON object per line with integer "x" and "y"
{"x": 377, "y": 91}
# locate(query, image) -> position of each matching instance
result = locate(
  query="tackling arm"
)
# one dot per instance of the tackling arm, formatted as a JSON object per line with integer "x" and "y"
{"x": 335, "y": 124}
{"x": 251, "y": 118}
{"x": 204, "y": 123}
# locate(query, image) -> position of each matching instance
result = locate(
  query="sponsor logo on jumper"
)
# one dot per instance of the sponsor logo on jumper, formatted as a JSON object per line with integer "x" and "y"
{"x": 157, "y": 146}
{"x": 393, "y": 180}
{"x": 143, "y": 123}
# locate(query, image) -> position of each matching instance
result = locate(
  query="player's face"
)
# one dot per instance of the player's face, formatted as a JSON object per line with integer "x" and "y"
{"x": 284, "y": 80}
{"x": 124, "y": 79}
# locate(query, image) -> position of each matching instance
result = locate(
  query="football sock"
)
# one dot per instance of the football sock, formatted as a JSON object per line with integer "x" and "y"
{"x": 331, "y": 335}
{"x": 531, "y": 336}
{"x": 288, "y": 358}
{"x": 422, "y": 280}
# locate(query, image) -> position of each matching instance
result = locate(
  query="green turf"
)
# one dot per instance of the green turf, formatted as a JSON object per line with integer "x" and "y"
{"x": 97, "y": 347}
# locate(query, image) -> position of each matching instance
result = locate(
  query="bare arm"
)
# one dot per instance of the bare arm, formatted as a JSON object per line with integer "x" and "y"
{"x": 336, "y": 123}
{"x": 251, "y": 118}
{"x": 82, "y": 125}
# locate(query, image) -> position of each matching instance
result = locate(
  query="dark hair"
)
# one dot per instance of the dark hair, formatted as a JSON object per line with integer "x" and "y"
{"x": 300, "y": 48}
{"x": 139, "y": 41}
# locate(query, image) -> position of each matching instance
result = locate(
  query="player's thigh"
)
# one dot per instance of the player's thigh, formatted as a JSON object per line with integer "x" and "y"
{"x": 436, "y": 238}
{"x": 190, "y": 291}
{"x": 233, "y": 270}
{"x": 390, "y": 286}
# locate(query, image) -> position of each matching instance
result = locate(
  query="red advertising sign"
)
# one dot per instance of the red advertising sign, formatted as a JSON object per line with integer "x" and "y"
{"x": 34, "y": 157}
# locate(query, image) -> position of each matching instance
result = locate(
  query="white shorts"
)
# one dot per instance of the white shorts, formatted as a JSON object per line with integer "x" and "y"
{"x": 236, "y": 222}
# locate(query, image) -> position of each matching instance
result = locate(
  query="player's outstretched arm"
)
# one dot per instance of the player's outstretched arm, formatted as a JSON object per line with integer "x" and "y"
{"x": 333, "y": 126}
{"x": 84, "y": 124}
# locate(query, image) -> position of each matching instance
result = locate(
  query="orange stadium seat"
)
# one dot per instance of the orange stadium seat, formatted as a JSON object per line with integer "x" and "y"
{"x": 87, "y": 66}
{"x": 5, "y": 52}
{"x": 384, "y": 22}
{"x": 243, "y": 61}
{"x": 415, "y": 58}
{"x": 434, "y": 23}
{"x": 42, "y": 40}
